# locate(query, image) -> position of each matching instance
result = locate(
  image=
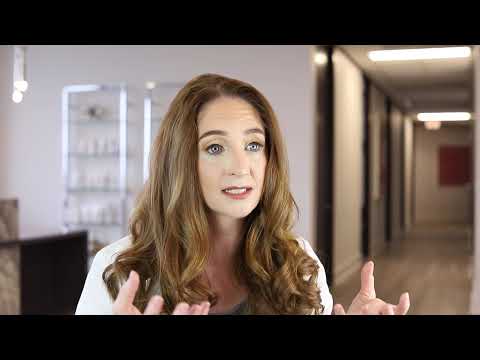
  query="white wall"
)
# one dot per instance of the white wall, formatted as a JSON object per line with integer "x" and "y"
{"x": 377, "y": 119}
{"x": 433, "y": 203}
{"x": 30, "y": 132}
{"x": 6, "y": 79}
{"x": 397, "y": 172}
{"x": 475, "y": 296}
{"x": 348, "y": 177}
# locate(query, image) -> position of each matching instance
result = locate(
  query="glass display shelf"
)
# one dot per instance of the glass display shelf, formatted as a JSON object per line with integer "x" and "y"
{"x": 98, "y": 155}
{"x": 93, "y": 224}
{"x": 94, "y": 122}
{"x": 96, "y": 189}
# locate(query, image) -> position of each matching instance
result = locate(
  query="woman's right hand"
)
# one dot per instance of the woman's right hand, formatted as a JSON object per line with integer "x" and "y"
{"x": 123, "y": 304}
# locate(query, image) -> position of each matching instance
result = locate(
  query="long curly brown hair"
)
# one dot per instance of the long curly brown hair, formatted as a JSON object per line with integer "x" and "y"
{"x": 169, "y": 227}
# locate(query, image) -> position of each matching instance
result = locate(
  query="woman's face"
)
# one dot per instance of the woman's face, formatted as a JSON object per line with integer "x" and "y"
{"x": 232, "y": 153}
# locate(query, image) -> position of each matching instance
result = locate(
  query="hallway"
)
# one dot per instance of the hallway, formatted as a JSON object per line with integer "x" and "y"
{"x": 434, "y": 264}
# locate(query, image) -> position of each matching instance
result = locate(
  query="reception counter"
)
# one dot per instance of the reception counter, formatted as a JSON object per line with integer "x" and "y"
{"x": 44, "y": 274}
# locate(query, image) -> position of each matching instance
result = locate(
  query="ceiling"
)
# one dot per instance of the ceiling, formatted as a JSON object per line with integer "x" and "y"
{"x": 419, "y": 85}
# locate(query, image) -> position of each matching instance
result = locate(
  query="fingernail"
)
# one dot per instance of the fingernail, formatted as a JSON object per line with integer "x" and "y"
{"x": 130, "y": 275}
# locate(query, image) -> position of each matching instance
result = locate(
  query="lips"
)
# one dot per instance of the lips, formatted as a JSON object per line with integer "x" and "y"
{"x": 237, "y": 192}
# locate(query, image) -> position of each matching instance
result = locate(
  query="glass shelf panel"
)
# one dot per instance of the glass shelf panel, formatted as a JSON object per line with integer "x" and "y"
{"x": 87, "y": 122}
{"x": 95, "y": 189}
{"x": 92, "y": 224}
{"x": 98, "y": 155}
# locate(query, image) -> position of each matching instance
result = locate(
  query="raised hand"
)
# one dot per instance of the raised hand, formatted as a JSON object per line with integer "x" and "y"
{"x": 366, "y": 301}
{"x": 123, "y": 304}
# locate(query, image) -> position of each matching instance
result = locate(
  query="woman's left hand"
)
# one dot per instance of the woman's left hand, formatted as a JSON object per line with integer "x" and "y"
{"x": 366, "y": 301}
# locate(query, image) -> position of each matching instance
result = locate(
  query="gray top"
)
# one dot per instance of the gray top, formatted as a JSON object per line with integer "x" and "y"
{"x": 239, "y": 309}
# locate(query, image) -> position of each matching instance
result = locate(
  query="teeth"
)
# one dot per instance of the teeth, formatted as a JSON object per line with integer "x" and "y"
{"x": 236, "y": 191}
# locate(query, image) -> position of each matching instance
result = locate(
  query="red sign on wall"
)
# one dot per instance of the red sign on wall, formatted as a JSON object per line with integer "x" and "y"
{"x": 454, "y": 164}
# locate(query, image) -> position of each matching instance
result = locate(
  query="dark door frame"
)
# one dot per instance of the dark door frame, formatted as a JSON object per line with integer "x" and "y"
{"x": 402, "y": 174}
{"x": 324, "y": 159}
{"x": 388, "y": 175}
{"x": 366, "y": 169}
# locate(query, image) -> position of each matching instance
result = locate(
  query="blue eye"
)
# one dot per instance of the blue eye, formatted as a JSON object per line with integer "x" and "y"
{"x": 259, "y": 146}
{"x": 213, "y": 146}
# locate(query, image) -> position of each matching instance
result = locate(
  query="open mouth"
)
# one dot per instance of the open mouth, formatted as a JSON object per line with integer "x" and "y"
{"x": 237, "y": 192}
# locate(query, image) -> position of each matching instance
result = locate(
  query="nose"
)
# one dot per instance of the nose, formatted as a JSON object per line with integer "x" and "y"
{"x": 239, "y": 164}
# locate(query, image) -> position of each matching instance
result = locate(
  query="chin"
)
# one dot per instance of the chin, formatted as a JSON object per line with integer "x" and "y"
{"x": 243, "y": 216}
{"x": 238, "y": 214}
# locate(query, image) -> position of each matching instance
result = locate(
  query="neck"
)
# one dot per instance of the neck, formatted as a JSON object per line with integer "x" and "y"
{"x": 226, "y": 236}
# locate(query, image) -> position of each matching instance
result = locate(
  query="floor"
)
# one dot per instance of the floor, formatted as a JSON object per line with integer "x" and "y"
{"x": 434, "y": 264}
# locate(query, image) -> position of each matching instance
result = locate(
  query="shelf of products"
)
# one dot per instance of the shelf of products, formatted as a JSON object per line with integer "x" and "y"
{"x": 92, "y": 189}
{"x": 97, "y": 155}
{"x": 109, "y": 122}
{"x": 94, "y": 165}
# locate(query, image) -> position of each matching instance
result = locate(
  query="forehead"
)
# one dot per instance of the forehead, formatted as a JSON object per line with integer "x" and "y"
{"x": 228, "y": 113}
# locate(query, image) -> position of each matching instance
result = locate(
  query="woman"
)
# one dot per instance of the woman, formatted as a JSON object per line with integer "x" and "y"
{"x": 211, "y": 232}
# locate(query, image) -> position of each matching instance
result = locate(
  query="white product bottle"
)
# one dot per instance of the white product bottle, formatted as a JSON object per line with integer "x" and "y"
{"x": 103, "y": 215}
{"x": 113, "y": 146}
{"x": 114, "y": 214}
{"x": 108, "y": 215}
{"x": 107, "y": 181}
{"x": 94, "y": 145}
{"x": 102, "y": 146}
{"x": 74, "y": 180}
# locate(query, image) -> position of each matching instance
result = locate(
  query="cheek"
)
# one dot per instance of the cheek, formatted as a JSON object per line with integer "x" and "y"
{"x": 259, "y": 168}
{"x": 210, "y": 162}
{"x": 209, "y": 172}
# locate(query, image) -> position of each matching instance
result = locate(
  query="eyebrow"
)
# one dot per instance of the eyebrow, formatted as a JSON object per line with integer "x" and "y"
{"x": 224, "y": 133}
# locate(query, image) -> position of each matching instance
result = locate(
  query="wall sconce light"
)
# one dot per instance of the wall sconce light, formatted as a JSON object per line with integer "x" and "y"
{"x": 20, "y": 84}
{"x": 17, "y": 96}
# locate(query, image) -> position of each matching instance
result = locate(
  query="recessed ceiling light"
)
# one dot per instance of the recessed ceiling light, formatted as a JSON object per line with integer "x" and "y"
{"x": 320, "y": 58}
{"x": 420, "y": 54}
{"x": 444, "y": 116}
